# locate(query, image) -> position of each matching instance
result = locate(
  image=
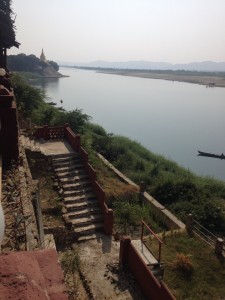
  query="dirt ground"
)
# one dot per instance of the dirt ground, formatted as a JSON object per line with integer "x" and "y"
{"x": 103, "y": 274}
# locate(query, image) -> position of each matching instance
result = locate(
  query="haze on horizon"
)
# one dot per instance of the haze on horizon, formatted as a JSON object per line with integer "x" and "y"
{"x": 174, "y": 31}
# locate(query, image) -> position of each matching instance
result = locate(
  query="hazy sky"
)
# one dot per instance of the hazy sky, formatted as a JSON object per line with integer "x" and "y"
{"x": 176, "y": 31}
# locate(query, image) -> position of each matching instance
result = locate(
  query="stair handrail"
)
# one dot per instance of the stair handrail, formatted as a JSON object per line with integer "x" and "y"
{"x": 144, "y": 225}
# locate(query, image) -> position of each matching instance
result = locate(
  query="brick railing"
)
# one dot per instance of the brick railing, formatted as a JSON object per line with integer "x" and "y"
{"x": 49, "y": 133}
{"x": 107, "y": 212}
{"x": 150, "y": 286}
{"x": 66, "y": 132}
{"x": 72, "y": 138}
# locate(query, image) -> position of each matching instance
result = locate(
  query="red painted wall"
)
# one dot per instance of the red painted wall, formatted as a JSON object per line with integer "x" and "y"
{"x": 150, "y": 286}
{"x": 9, "y": 134}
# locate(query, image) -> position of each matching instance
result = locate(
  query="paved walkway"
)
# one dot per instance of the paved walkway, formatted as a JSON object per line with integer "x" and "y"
{"x": 47, "y": 147}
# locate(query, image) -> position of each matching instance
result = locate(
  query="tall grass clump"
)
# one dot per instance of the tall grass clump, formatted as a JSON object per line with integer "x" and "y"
{"x": 129, "y": 212}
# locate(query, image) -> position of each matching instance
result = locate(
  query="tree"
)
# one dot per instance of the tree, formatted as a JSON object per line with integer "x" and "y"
{"x": 7, "y": 30}
{"x": 25, "y": 63}
{"x": 54, "y": 65}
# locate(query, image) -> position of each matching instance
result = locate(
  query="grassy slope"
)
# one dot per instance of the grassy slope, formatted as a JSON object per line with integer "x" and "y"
{"x": 175, "y": 187}
{"x": 205, "y": 281}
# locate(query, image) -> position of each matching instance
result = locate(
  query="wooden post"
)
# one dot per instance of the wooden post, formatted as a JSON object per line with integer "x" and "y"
{"x": 141, "y": 191}
{"x": 124, "y": 249}
{"x": 219, "y": 246}
{"x": 108, "y": 222}
{"x": 189, "y": 224}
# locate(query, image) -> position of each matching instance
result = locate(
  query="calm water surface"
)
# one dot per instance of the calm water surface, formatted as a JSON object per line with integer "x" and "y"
{"x": 169, "y": 118}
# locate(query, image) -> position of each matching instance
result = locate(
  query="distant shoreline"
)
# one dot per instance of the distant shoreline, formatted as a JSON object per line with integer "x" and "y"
{"x": 211, "y": 80}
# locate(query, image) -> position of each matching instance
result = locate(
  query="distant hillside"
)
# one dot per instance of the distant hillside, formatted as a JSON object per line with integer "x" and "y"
{"x": 32, "y": 64}
{"x": 205, "y": 66}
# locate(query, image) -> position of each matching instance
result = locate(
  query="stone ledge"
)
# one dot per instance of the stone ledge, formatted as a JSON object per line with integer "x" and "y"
{"x": 171, "y": 221}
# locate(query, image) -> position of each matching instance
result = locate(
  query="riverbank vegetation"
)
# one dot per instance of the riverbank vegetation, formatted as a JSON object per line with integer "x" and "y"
{"x": 29, "y": 63}
{"x": 176, "y": 188}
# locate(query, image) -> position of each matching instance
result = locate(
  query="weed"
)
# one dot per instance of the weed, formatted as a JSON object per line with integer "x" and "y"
{"x": 183, "y": 264}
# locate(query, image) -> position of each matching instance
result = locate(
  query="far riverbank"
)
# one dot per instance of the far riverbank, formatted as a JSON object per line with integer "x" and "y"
{"x": 207, "y": 79}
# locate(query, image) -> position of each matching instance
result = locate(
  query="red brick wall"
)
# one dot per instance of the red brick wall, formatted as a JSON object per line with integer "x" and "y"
{"x": 150, "y": 286}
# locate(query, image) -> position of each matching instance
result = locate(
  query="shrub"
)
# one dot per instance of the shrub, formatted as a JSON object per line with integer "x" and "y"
{"x": 70, "y": 262}
{"x": 183, "y": 264}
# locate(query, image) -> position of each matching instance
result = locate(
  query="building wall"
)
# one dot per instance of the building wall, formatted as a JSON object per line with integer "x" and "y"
{"x": 9, "y": 134}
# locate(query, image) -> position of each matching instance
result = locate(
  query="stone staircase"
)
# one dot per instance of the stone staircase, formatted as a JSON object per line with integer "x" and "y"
{"x": 83, "y": 213}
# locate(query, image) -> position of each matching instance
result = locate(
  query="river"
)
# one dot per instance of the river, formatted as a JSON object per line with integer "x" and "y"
{"x": 173, "y": 119}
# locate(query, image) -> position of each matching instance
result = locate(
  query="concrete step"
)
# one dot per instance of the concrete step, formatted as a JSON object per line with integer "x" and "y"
{"x": 85, "y": 212}
{"x": 63, "y": 155}
{"x": 63, "y": 158}
{"x": 71, "y": 173}
{"x": 94, "y": 236}
{"x": 80, "y": 222}
{"x": 82, "y": 205}
{"x": 76, "y": 186}
{"x": 69, "y": 168}
{"x": 89, "y": 229}
{"x": 69, "y": 200}
{"x": 73, "y": 179}
{"x": 66, "y": 159}
{"x": 80, "y": 191}
{"x": 66, "y": 163}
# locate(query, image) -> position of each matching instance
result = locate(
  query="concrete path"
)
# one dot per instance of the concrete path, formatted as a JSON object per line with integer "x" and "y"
{"x": 60, "y": 146}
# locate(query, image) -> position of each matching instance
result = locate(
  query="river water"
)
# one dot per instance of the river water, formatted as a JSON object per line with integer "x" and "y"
{"x": 173, "y": 119}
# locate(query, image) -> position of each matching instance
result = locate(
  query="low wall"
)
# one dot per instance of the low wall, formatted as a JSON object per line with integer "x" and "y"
{"x": 50, "y": 133}
{"x": 72, "y": 138}
{"x": 163, "y": 214}
{"x": 152, "y": 289}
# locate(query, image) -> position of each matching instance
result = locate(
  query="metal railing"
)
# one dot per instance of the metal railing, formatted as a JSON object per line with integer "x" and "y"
{"x": 204, "y": 233}
{"x": 152, "y": 233}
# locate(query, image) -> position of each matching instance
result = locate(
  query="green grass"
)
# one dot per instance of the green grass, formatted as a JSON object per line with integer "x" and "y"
{"x": 128, "y": 214}
{"x": 197, "y": 274}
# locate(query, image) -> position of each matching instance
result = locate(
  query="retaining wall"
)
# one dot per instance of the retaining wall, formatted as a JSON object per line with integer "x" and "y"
{"x": 163, "y": 214}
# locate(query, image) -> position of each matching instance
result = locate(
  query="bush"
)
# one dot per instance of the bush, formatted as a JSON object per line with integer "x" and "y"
{"x": 183, "y": 264}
